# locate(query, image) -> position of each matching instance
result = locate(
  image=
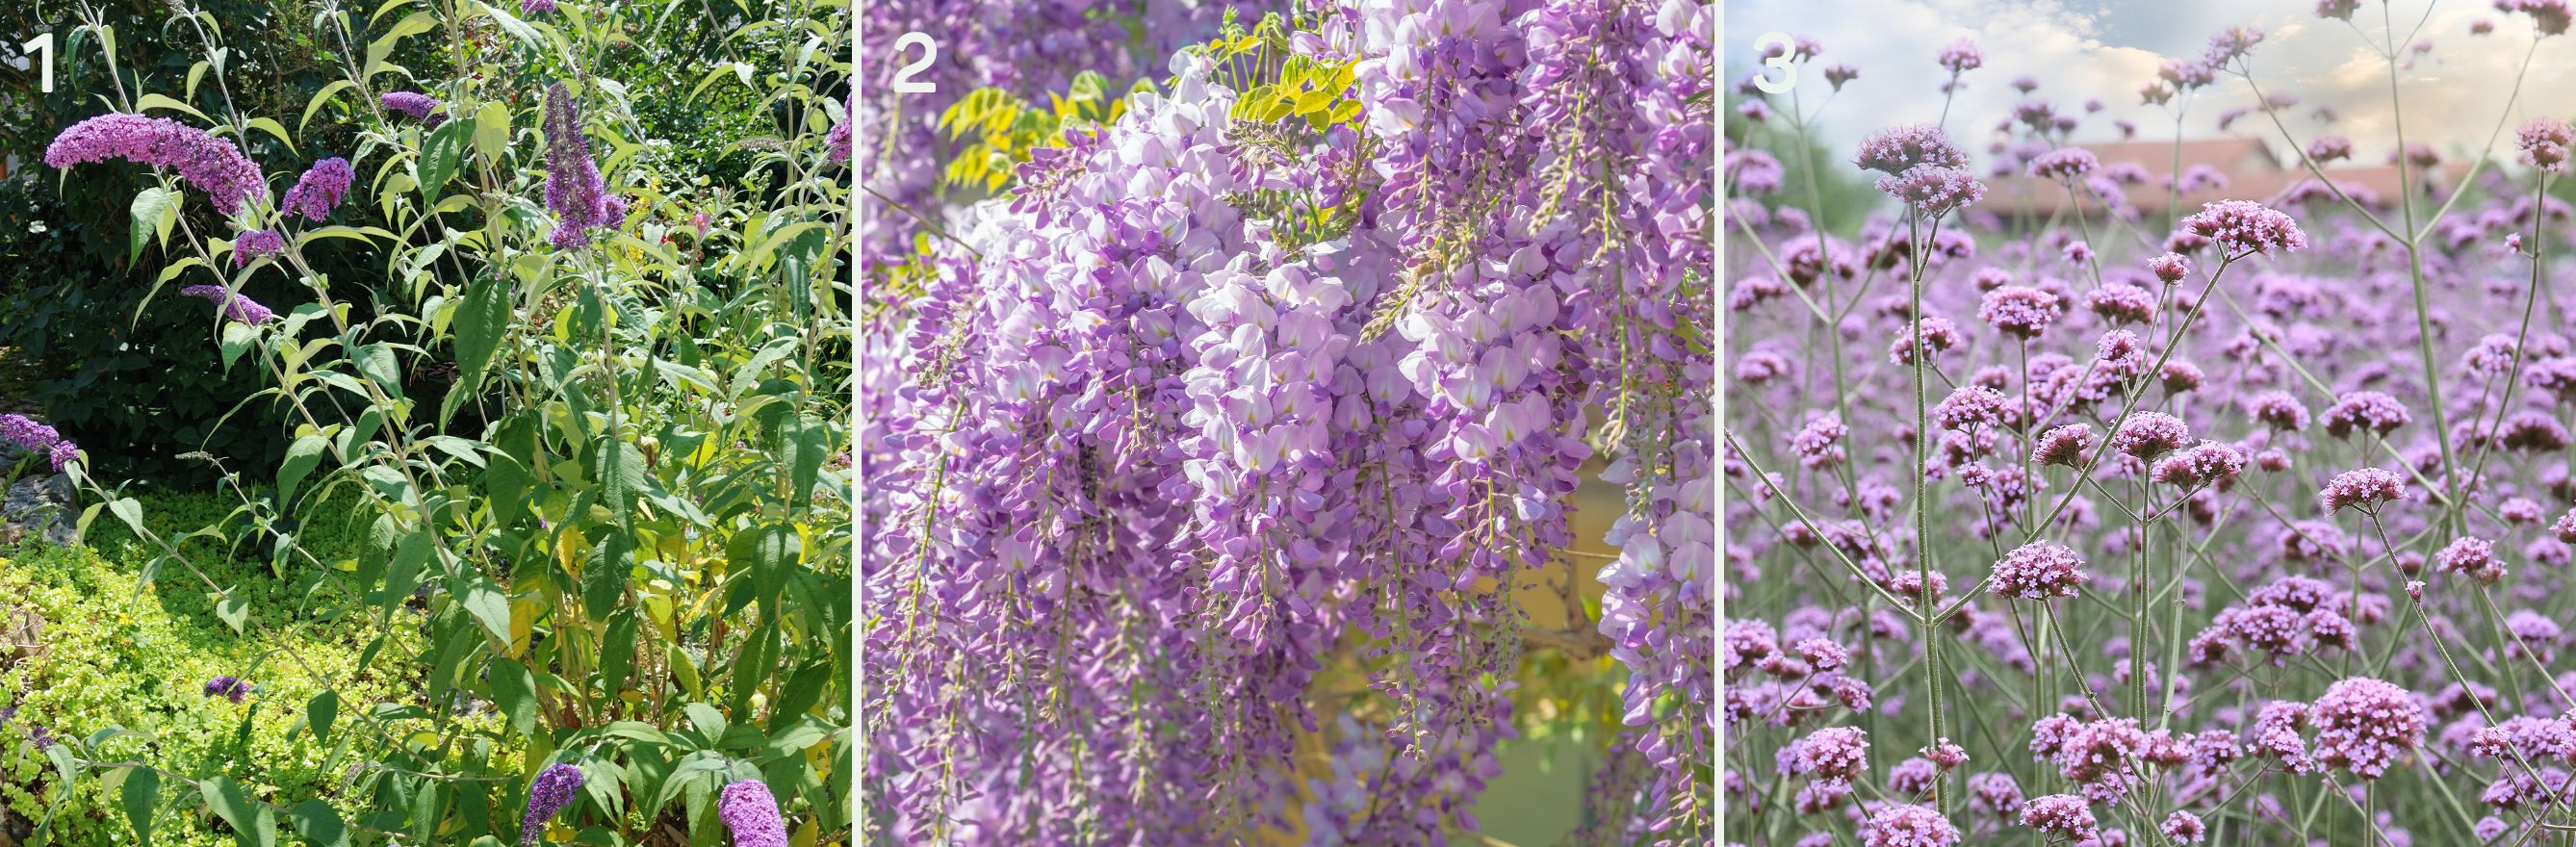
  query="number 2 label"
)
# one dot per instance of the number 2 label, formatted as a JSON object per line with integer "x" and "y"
{"x": 903, "y": 81}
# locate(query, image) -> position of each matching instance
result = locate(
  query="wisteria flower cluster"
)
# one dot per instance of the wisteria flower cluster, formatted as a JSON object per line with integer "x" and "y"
{"x": 1217, "y": 387}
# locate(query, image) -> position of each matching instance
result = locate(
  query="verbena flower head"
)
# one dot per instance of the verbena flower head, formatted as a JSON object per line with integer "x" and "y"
{"x": 2038, "y": 571}
{"x": 2121, "y": 303}
{"x": 2184, "y": 827}
{"x": 2328, "y": 148}
{"x": 2551, "y": 17}
{"x": 1819, "y": 443}
{"x": 2207, "y": 463}
{"x": 2545, "y": 143}
{"x": 2148, "y": 434}
{"x": 2019, "y": 310}
{"x": 2364, "y": 724}
{"x": 2363, "y": 489}
{"x": 2244, "y": 226}
{"x": 421, "y": 107}
{"x": 1902, "y": 148}
{"x": 575, "y": 192}
{"x": 2170, "y": 267}
{"x": 2064, "y": 163}
{"x": 2372, "y": 411}
{"x": 1962, "y": 56}
{"x": 2339, "y": 10}
{"x": 1908, "y": 825}
{"x": 2472, "y": 557}
{"x": 1972, "y": 406}
{"x": 1833, "y": 754}
{"x": 234, "y": 305}
{"x": 547, "y": 795}
{"x": 213, "y": 165}
{"x": 229, "y": 688}
{"x": 2062, "y": 816}
{"x": 1839, "y": 74}
{"x": 1933, "y": 190}
{"x": 319, "y": 190}
{"x": 751, "y": 814}
{"x": 2065, "y": 445}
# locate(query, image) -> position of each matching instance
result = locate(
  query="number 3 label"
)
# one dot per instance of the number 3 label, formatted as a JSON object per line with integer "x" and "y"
{"x": 1776, "y": 61}
{"x": 903, "y": 81}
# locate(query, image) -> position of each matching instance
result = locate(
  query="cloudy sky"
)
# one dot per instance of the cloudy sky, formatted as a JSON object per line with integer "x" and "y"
{"x": 2106, "y": 49}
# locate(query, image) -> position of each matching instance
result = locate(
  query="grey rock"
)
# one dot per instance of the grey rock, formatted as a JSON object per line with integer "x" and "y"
{"x": 40, "y": 507}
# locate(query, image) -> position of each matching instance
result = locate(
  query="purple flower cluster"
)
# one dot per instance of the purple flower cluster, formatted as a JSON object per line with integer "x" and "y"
{"x": 751, "y": 814}
{"x": 547, "y": 795}
{"x": 213, "y": 165}
{"x": 229, "y": 688}
{"x": 421, "y": 107}
{"x": 233, "y": 305}
{"x": 319, "y": 190}
{"x": 36, "y": 439}
{"x": 2038, "y": 571}
{"x": 256, "y": 244}
{"x": 2245, "y": 227}
{"x": 575, "y": 192}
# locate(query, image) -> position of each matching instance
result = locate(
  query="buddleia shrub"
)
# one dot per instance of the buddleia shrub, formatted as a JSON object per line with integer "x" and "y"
{"x": 603, "y": 536}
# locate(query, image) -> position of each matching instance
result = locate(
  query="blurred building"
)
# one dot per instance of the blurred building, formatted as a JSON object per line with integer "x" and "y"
{"x": 2143, "y": 176}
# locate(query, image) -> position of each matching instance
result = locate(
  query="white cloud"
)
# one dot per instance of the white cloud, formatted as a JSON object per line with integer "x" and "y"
{"x": 2452, "y": 97}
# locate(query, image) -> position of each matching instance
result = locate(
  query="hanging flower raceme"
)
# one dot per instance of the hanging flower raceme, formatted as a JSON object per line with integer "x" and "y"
{"x": 319, "y": 190}
{"x": 575, "y": 192}
{"x": 212, "y": 165}
{"x": 234, "y": 306}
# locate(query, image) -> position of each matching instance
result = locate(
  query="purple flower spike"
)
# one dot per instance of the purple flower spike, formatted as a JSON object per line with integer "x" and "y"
{"x": 536, "y": 7}
{"x": 752, "y": 814}
{"x": 547, "y": 795}
{"x": 574, "y": 189}
{"x": 229, "y": 688}
{"x": 235, "y": 306}
{"x": 840, "y": 137}
{"x": 215, "y": 166}
{"x": 419, "y": 106}
{"x": 320, "y": 189}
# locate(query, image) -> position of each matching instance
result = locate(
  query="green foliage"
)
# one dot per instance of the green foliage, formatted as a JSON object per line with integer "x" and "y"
{"x": 122, "y": 654}
{"x": 1000, "y": 130}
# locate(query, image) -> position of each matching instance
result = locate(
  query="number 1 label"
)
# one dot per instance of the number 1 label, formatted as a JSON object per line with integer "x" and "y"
{"x": 41, "y": 49}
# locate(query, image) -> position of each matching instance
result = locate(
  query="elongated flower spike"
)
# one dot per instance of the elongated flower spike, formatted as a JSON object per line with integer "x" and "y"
{"x": 212, "y": 165}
